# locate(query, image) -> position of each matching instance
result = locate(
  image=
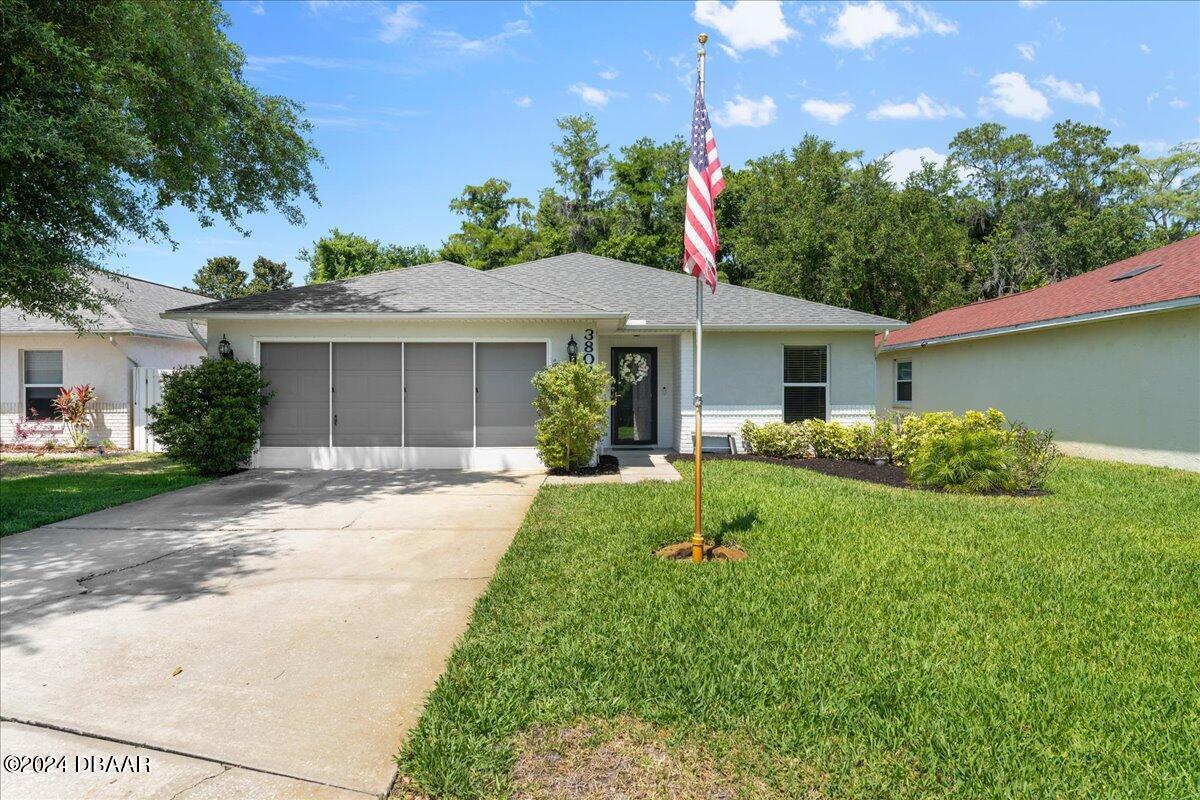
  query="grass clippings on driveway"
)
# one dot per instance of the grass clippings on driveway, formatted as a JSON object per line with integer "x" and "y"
{"x": 876, "y": 643}
{"x": 38, "y": 490}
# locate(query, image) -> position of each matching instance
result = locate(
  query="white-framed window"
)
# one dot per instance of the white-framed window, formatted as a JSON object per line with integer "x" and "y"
{"x": 41, "y": 379}
{"x": 805, "y": 383}
{"x": 904, "y": 381}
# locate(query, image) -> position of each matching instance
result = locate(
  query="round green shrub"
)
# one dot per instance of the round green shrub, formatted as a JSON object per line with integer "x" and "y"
{"x": 572, "y": 404}
{"x": 965, "y": 461}
{"x": 211, "y": 414}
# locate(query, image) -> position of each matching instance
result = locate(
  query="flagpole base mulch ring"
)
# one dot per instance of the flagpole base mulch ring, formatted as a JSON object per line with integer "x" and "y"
{"x": 682, "y": 551}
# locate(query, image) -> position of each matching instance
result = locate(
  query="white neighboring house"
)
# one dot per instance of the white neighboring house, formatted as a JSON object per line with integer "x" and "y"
{"x": 430, "y": 366}
{"x": 39, "y": 355}
{"x": 1109, "y": 359}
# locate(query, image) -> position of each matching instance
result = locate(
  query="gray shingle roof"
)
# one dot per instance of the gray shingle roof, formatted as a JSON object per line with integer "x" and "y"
{"x": 136, "y": 308}
{"x": 572, "y": 285}
{"x": 442, "y": 287}
{"x": 663, "y": 297}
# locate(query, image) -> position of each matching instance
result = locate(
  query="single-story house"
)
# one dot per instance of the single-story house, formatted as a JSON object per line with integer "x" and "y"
{"x": 430, "y": 366}
{"x": 1109, "y": 359}
{"x": 39, "y": 355}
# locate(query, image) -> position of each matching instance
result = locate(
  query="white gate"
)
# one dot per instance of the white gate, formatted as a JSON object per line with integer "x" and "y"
{"x": 147, "y": 391}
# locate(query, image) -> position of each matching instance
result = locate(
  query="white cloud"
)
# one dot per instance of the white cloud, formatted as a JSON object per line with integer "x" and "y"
{"x": 1031, "y": 3}
{"x": 399, "y": 22}
{"x": 734, "y": 55}
{"x": 1028, "y": 50}
{"x": 746, "y": 112}
{"x": 1012, "y": 94}
{"x": 591, "y": 95}
{"x": 659, "y": 97}
{"x": 610, "y": 74}
{"x": 903, "y": 163}
{"x": 924, "y": 107}
{"x": 317, "y": 5}
{"x": 525, "y": 101}
{"x": 1177, "y": 103}
{"x": 529, "y": 5}
{"x": 456, "y": 42}
{"x": 1145, "y": 48}
{"x": 931, "y": 22}
{"x": 257, "y": 8}
{"x": 1072, "y": 92}
{"x": 1150, "y": 98}
{"x": 859, "y": 25}
{"x": 827, "y": 111}
{"x": 747, "y": 24}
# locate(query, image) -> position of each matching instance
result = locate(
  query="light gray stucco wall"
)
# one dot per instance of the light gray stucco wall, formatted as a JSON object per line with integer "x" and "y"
{"x": 1126, "y": 388}
{"x": 743, "y": 378}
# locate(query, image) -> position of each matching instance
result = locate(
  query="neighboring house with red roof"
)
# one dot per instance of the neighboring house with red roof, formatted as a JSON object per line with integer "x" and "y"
{"x": 1109, "y": 359}
{"x": 40, "y": 355}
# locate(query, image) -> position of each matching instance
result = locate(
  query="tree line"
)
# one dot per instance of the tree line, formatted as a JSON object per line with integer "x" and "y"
{"x": 1001, "y": 215}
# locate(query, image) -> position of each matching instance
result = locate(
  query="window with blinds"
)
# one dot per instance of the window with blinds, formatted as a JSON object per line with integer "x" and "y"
{"x": 805, "y": 383}
{"x": 903, "y": 381}
{"x": 42, "y": 374}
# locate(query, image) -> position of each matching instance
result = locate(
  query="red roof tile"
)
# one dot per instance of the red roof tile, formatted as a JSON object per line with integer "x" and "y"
{"x": 1177, "y": 276}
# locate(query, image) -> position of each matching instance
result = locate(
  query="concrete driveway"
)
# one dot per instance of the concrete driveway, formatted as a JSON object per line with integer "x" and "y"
{"x": 271, "y": 634}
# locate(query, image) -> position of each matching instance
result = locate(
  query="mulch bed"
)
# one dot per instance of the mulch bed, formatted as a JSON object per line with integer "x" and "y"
{"x": 606, "y": 465}
{"x": 885, "y": 474}
{"x": 682, "y": 551}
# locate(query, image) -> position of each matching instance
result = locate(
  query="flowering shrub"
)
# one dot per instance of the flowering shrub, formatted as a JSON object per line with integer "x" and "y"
{"x": 36, "y": 431}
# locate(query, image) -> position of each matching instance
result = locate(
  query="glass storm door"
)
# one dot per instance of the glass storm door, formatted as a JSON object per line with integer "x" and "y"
{"x": 635, "y": 376}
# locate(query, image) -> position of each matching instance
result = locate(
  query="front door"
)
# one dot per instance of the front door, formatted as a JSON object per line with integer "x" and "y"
{"x": 635, "y": 378}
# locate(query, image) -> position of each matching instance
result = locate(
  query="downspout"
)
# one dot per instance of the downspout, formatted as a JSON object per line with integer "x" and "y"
{"x": 882, "y": 341}
{"x": 191, "y": 326}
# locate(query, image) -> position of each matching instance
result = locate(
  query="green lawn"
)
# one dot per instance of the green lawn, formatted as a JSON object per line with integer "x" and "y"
{"x": 38, "y": 490}
{"x": 877, "y": 643}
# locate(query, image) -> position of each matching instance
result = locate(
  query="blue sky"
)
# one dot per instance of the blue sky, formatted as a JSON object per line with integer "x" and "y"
{"x": 412, "y": 101}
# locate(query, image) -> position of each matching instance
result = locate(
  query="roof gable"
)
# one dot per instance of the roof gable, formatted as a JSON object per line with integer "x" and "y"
{"x": 1122, "y": 285}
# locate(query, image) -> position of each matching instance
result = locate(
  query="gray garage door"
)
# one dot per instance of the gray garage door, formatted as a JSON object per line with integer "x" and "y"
{"x": 368, "y": 394}
{"x": 504, "y": 414}
{"x": 298, "y": 415}
{"x": 438, "y": 399}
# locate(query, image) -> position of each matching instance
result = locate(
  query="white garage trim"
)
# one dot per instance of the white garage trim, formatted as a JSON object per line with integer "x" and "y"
{"x": 404, "y": 457}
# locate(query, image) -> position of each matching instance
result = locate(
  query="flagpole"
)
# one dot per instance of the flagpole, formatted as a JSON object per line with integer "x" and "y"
{"x": 697, "y": 532}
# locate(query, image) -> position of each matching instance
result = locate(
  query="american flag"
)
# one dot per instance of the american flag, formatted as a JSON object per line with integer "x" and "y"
{"x": 705, "y": 182}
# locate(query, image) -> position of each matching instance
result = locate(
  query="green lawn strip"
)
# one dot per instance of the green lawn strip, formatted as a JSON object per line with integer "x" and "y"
{"x": 877, "y": 642}
{"x": 39, "y": 490}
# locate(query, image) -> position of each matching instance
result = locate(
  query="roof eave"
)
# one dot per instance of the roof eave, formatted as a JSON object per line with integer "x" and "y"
{"x": 775, "y": 326}
{"x": 1077, "y": 319}
{"x": 349, "y": 315}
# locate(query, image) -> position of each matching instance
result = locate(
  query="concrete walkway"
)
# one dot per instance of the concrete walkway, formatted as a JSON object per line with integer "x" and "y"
{"x": 268, "y": 635}
{"x": 636, "y": 466}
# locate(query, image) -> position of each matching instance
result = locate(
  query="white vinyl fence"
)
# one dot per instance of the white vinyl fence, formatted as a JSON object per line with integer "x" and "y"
{"x": 147, "y": 391}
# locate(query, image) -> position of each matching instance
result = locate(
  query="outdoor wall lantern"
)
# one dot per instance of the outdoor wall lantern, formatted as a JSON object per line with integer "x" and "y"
{"x": 224, "y": 348}
{"x": 572, "y": 350}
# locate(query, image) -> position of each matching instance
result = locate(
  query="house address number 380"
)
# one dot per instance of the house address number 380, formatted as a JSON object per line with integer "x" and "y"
{"x": 589, "y": 346}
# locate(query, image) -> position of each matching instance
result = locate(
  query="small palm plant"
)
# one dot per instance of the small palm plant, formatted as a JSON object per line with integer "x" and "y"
{"x": 966, "y": 461}
{"x": 72, "y": 406}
